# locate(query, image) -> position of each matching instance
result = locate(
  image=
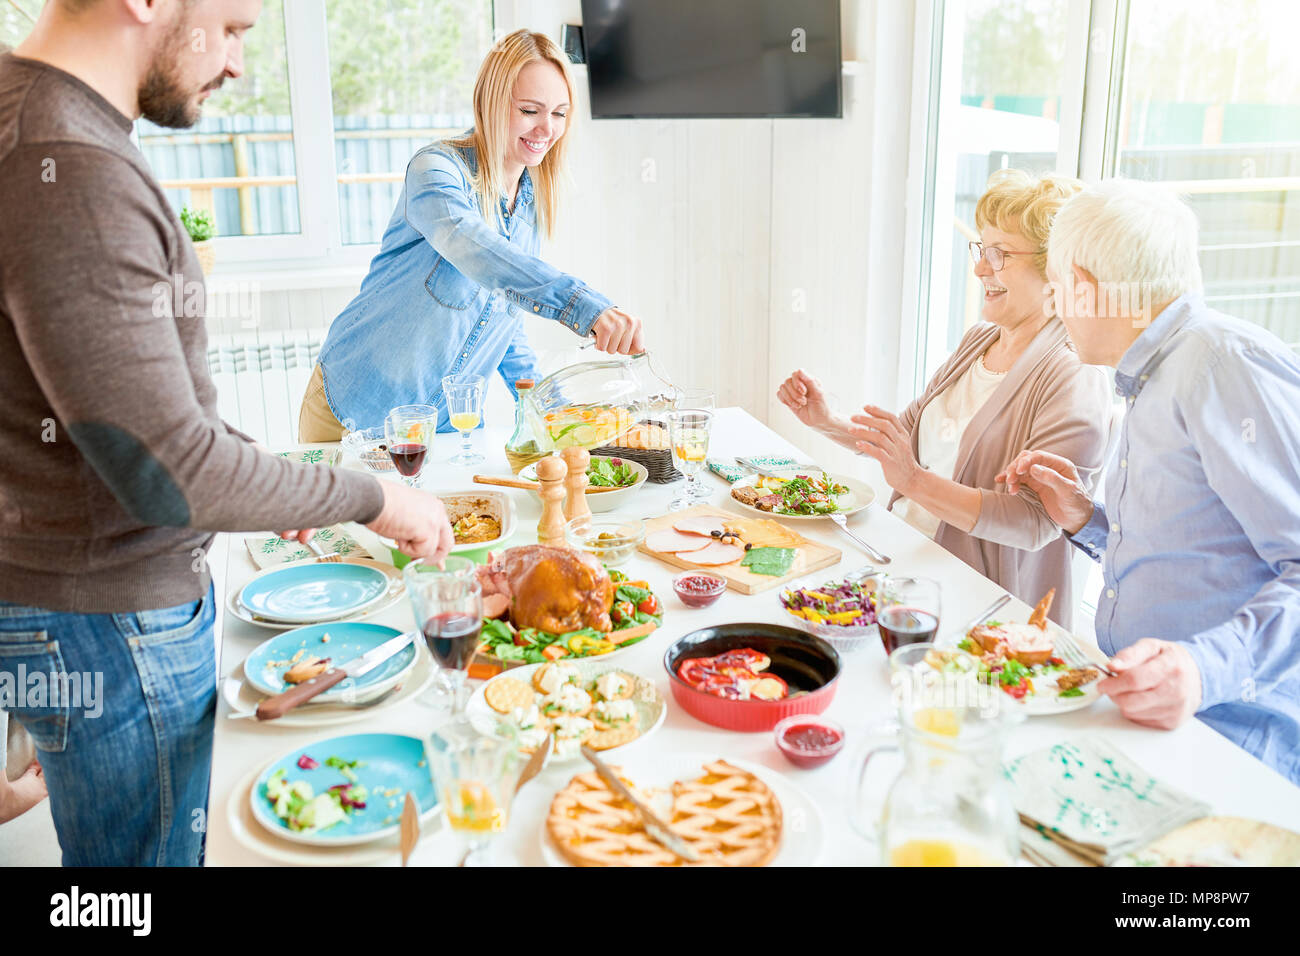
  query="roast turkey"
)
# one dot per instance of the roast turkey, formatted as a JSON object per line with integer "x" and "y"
{"x": 556, "y": 590}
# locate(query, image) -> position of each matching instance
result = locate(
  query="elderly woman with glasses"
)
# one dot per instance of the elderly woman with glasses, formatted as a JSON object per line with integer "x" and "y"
{"x": 1013, "y": 383}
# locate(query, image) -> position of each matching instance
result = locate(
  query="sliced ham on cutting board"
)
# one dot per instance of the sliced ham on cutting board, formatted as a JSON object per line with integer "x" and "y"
{"x": 700, "y": 525}
{"x": 672, "y": 541}
{"x": 723, "y": 559}
{"x": 712, "y": 555}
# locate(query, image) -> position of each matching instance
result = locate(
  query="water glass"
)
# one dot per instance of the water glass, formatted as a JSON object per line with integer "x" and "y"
{"x": 688, "y": 431}
{"x": 475, "y": 778}
{"x": 464, "y": 395}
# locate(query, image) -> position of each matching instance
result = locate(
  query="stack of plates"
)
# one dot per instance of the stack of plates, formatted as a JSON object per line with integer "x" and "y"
{"x": 315, "y": 592}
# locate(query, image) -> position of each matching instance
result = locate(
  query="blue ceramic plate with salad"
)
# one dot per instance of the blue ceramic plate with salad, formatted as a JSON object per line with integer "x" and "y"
{"x": 340, "y": 642}
{"x": 311, "y": 593}
{"x": 344, "y": 790}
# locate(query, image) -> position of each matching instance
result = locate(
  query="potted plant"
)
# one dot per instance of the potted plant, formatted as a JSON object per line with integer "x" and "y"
{"x": 201, "y": 227}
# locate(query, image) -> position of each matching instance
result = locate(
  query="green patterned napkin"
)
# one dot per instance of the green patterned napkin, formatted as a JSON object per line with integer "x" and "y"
{"x": 732, "y": 471}
{"x": 314, "y": 456}
{"x": 1093, "y": 801}
{"x": 269, "y": 549}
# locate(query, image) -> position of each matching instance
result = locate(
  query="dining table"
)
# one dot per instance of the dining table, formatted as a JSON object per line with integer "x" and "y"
{"x": 1192, "y": 758}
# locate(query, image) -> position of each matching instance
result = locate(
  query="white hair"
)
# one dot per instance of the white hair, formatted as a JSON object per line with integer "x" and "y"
{"x": 1129, "y": 235}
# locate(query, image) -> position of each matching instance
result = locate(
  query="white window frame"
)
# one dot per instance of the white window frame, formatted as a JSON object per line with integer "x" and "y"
{"x": 316, "y": 256}
{"x": 1089, "y": 122}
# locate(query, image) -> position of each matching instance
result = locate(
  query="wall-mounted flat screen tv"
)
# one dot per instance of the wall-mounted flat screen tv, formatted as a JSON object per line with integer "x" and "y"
{"x": 712, "y": 58}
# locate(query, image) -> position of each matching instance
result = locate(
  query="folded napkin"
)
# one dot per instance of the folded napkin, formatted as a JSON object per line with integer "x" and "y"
{"x": 313, "y": 456}
{"x": 1092, "y": 803}
{"x": 269, "y": 549}
{"x": 731, "y": 471}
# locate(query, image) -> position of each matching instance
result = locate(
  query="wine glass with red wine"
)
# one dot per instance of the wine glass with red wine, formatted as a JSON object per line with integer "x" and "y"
{"x": 909, "y": 612}
{"x": 408, "y": 433}
{"x": 448, "y": 605}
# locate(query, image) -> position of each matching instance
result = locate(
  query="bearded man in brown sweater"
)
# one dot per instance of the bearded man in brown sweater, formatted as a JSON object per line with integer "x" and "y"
{"x": 115, "y": 468}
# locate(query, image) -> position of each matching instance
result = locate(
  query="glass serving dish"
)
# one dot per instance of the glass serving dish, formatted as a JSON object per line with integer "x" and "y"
{"x": 369, "y": 446}
{"x": 611, "y": 540}
{"x": 593, "y": 403}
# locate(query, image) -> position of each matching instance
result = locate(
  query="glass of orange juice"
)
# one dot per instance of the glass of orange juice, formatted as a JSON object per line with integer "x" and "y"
{"x": 464, "y": 396}
{"x": 474, "y": 775}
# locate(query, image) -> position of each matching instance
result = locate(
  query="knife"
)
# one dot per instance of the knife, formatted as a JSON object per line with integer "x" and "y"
{"x": 658, "y": 830}
{"x": 281, "y": 704}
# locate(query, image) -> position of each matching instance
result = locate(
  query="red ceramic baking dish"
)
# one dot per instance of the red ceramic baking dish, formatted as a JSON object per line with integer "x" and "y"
{"x": 808, "y": 664}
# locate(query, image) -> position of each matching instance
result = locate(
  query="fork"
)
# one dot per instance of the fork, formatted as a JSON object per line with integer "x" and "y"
{"x": 322, "y": 556}
{"x": 1074, "y": 656}
{"x": 842, "y": 523}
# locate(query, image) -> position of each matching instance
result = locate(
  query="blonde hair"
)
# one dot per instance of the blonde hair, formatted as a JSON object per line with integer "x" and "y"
{"x": 490, "y": 137}
{"x": 1018, "y": 202}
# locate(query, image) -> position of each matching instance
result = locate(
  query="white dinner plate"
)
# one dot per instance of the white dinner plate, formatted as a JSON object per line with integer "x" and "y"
{"x": 802, "y": 829}
{"x": 650, "y": 704}
{"x": 860, "y": 495}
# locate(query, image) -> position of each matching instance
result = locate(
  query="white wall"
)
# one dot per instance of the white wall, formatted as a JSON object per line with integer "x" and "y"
{"x": 753, "y": 247}
{"x": 749, "y": 247}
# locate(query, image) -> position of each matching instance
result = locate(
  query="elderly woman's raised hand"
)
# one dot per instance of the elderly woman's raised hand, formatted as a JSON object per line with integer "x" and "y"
{"x": 804, "y": 395}
{"x": 1056, "y": 482}
{"x": 880, "y": 434}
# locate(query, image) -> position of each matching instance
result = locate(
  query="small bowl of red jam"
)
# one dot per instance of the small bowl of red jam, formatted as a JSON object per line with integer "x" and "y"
{"x": 809, "y": 740}
{"x": 699, "y": 588}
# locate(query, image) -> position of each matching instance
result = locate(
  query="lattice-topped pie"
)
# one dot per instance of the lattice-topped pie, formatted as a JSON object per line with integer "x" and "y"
{"x": 727, "y": 815}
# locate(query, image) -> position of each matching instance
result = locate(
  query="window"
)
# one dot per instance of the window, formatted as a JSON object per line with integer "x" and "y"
{"x": 1217, "y": 111}
{"x": 405, "y": 80}
{"x": 999, "y": 87}
{"x": 16, "y": 21}
{"x": 303, "y": 156}
{"x": 1179, "y": 91}
{"x": 237, "y": 162}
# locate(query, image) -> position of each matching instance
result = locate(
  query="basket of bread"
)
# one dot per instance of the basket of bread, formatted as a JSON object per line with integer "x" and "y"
{"x": 646, "y": 443}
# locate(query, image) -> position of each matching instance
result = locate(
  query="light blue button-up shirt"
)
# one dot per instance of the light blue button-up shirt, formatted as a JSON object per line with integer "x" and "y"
{"x": 445, "y": 294}
{"x": 1200, "y": 535}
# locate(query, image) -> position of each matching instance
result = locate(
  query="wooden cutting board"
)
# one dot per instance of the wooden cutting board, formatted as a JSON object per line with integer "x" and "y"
{"x": 761, "y": 532}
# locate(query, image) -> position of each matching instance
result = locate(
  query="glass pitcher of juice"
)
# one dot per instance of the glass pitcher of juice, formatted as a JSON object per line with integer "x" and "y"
{"x": 591, "y": 403}
{"x": 949, "y": 806}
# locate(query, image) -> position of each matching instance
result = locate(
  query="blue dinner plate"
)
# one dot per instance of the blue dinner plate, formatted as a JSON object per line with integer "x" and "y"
{"x": 265, "y": 667}
{"x": 310, "y": 593}
{"x": 391, "y": 765}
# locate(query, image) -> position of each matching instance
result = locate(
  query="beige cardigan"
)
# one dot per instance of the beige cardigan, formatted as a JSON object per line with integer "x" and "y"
{"x": 1049, "y": 401}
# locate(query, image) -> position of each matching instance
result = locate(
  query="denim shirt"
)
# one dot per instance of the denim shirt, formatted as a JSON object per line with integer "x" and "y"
{"x": 444, "y": 295}
{"x": 1200, "y": 536}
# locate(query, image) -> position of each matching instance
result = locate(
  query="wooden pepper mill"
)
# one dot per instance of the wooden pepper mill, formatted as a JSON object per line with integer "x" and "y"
{"x": 575, "y": 505}
{"x": 551, "y": 472}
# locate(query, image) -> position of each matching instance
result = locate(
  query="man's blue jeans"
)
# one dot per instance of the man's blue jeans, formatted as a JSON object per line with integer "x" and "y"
{"x": 124, "y": 725}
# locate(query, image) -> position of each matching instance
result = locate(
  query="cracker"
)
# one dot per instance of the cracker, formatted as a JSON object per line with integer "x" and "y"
{"x": 506, "y": 693}
{"x": 613, "y": 737}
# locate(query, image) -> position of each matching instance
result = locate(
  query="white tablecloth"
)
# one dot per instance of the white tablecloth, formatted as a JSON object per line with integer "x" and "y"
{"x": 1192, "y": 758}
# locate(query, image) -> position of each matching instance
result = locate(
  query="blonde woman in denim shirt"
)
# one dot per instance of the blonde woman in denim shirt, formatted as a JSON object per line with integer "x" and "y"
{"x": 457, "y": 267}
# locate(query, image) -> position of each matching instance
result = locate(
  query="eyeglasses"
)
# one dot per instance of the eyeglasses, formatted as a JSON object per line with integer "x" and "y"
{"x": 996, "y": 257}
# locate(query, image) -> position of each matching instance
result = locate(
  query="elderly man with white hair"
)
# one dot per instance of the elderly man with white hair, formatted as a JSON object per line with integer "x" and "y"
{"x": 1199, "y": 537}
